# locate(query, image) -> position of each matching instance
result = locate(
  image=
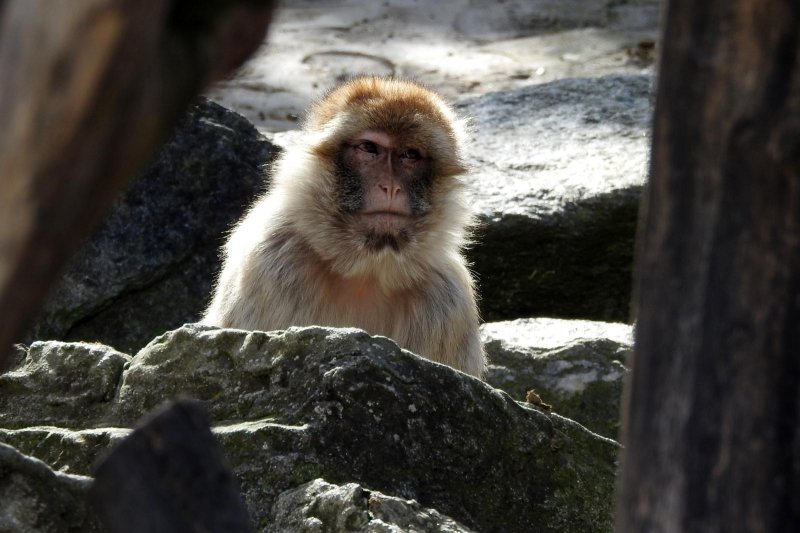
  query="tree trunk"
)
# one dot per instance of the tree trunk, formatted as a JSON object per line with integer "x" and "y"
{"x": 711, "y": 428}
{"x": 89, "y": 90}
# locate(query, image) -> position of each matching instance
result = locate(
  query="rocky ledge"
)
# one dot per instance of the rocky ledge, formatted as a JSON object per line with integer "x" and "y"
{"x": 314, "y": 423}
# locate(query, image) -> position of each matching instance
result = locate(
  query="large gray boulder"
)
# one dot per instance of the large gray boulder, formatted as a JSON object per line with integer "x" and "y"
{"x": 151, "y": 264}
{"x": 576, "y": 367}
{"x": 339, "y": 405}
{"x": 557, "y": 176}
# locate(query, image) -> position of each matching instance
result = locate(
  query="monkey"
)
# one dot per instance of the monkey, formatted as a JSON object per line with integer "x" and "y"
{"x": 364, "y": 225}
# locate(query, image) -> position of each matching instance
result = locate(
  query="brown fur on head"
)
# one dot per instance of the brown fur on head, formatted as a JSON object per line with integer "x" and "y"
{"x": 407, "y": 111}
{"x": 400, "y": 107}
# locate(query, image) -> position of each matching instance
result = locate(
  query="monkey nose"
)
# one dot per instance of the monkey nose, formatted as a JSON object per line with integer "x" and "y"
{"x": 390, "y": 190}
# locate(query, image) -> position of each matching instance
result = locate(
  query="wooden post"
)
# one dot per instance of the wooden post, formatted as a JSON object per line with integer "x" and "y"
{"x": 712, "y": 430}
{"x": 89, "y": 90}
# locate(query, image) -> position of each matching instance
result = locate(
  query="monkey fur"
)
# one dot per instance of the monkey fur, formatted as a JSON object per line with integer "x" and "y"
{"x": 363, "y": 226}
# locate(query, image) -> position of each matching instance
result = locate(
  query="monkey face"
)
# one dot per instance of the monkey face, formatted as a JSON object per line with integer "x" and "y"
{"x": 384, "y": 187}
{"x": 374, "y": 188}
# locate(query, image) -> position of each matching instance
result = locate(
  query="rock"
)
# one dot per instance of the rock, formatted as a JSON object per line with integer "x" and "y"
{"x": 520, "y": 18}
{"x": 169, "y": 475}
{"x": 321, "y": 506}
{"x": 66, "y": 450}
{"x": 34, "y": 498}
{"x": 60, "y": 384}
{"x": 150, "y": 266}
{"x": 347, "y": 406}
{"x": 557, "y": 174}
{"x": 577, "y": 367}
{"x": 291, "y": 407}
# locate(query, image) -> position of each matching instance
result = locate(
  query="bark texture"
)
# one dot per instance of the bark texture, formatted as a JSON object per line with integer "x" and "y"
{"x": 91, "y": 87}
{"x": 711, "y": 434}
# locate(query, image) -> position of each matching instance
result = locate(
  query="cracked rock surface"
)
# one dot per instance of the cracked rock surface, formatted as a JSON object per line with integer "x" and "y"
{"x": 34, "y": 498}
{"x": 349, "y": 507}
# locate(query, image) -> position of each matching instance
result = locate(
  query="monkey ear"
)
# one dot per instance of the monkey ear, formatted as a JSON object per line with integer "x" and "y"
{"x": 446, "y": 147}
{"x": 324, "y": 139}
{"x": 447, "y": 169}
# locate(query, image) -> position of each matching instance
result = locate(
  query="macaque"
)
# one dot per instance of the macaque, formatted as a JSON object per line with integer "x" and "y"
{"x": 363, "y": 226}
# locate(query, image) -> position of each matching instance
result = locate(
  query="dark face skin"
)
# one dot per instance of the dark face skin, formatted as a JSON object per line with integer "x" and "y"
{"x": 385, "y": 184}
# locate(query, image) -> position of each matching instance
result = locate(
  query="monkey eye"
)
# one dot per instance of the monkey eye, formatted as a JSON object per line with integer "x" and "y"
{"x": 412, "y": 153}
{"x": 368, "y": 146}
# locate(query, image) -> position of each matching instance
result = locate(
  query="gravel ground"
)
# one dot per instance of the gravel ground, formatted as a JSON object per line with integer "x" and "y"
{"x": 461, "y": 48}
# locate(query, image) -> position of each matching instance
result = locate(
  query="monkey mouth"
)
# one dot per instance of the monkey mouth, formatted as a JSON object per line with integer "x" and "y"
{"x": 385, "y": 229}
{"x": 385, "y": 212}
{"x": 385, "y": 221}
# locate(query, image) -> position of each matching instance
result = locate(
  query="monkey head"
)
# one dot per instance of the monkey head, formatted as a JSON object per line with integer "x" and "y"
{"x": 384, "y": 163}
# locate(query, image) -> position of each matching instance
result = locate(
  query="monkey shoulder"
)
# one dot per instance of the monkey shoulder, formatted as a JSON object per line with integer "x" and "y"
{"x": 447, "y": 321}
{"x": 448, "y": 299}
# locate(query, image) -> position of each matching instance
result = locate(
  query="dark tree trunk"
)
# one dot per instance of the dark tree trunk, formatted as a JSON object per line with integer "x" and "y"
{"x": 711, "y": 431}
{"x": 89, "y": 89}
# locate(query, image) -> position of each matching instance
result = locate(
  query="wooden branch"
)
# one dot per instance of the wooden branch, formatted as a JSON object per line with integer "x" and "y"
{"x": 713, "y": 409}
{"x": 90, "y": 89}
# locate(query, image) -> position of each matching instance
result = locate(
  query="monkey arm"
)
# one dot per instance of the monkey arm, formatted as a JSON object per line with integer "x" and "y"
{"x": 444, "y": 326}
